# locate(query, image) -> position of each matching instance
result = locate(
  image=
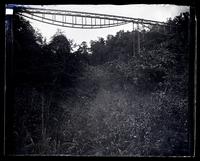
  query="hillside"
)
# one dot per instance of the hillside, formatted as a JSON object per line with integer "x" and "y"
{"x": 101, "y": 100}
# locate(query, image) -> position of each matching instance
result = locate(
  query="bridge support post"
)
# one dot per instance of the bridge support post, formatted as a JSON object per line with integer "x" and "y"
{"x": 133, "y": 41}
{"x": 138, "y": 39}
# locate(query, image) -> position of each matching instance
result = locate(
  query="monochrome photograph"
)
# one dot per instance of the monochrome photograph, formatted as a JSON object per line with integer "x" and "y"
{"x": 98, "y": 80}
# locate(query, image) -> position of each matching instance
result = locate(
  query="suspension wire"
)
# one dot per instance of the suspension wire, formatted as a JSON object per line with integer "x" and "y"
{"x": 82, "y": 21}
{"x": 63, "y": 20}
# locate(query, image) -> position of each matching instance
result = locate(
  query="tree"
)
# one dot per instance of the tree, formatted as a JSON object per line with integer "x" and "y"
{"x": 27, "y": 63}
{"x": 99, "y": 51}
{"x": 83, "y": 48}
{"x": 59, "y": 44}
{"x": 27, "y": 51}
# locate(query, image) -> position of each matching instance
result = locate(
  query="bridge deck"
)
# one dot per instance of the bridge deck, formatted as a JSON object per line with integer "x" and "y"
{"x": 84, "y": 20}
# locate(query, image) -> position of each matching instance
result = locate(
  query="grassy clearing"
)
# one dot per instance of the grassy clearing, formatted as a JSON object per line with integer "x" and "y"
{"x": 109, "y": 118}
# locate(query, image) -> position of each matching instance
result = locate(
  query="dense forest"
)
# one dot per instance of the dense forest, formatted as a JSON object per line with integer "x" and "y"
{"x": 101, "y": 100}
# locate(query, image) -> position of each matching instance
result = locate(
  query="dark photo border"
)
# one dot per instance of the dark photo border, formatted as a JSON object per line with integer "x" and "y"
{"x": 6, "y": 78}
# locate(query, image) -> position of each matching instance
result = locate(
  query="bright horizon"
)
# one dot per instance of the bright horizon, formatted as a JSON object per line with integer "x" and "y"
{"x": 151, "y": 12}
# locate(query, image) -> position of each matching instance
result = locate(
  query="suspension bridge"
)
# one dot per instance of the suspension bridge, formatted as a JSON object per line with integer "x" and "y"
{"x": 87, "y": 20}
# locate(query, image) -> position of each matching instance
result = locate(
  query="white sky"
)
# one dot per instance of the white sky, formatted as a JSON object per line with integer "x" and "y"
{"x": 151, "y": 12}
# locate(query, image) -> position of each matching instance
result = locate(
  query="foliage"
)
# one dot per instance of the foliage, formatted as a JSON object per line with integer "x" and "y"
{"x": 101, "y": 100}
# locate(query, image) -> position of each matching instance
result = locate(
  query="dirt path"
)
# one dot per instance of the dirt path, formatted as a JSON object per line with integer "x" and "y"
{"x": 112, "y": 116}
{"x": 106, "y": 119}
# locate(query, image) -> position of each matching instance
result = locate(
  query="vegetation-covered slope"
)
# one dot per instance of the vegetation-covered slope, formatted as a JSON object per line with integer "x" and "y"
{"x": 102, "y": 102}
